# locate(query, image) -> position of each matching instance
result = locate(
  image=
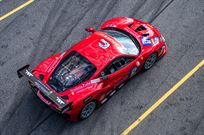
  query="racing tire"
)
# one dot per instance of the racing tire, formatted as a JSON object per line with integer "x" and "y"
{"x": 150, "y": 61}
{"x": 87, "y": 110}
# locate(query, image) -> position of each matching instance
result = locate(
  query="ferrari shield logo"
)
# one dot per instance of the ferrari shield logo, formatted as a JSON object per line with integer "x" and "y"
{"x": 103, "y": 44}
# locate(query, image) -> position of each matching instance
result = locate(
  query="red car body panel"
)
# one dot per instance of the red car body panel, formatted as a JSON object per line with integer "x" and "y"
{"x": 96, "y": 87}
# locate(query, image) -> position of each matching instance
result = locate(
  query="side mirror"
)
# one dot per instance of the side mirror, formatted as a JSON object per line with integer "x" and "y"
{"x": 105, "y": 77}
{"x": 90, "y": 29}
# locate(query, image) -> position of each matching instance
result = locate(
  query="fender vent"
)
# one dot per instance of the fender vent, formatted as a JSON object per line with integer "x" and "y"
{"x": 41, "y": 77}
{"x": 140, "y": 28}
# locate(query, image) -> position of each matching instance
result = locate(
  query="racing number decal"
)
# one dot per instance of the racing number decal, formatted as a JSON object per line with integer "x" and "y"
{"x": 146, "y": 41}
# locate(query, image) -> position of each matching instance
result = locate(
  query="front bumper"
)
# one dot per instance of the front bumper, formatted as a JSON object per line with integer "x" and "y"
{"x": 163, "y": 51}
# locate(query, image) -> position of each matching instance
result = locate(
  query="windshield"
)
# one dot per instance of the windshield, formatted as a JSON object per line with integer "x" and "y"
{"x": 129, "y": 47}
{"x": 71, "y": 71}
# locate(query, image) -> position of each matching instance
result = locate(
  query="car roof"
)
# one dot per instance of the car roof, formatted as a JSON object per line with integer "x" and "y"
{"x": 90, "y": 47}
{"x": 99, "y": 49}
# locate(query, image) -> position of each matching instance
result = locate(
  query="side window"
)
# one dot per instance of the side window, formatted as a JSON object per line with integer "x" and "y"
{"x": 116, "y": 65}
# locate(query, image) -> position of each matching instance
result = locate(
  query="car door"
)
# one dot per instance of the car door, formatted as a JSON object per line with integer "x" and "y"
{"x": 117, "y": 72}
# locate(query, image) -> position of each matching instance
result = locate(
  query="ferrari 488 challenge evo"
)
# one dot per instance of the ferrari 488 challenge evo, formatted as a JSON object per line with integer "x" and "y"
{"x": 78, "y": 80}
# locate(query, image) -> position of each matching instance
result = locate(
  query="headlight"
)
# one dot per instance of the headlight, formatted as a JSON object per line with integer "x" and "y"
{"x": 155, "y": 41}
{"x": 158, "y": 39}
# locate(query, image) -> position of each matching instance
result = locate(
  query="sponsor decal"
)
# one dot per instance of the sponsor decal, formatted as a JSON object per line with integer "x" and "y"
{"x": 86, "y": 85}
{"x": 146, "y": 41}
{"x": 28, "y": 73}
{"x": 103, "y": 43}
{"x": 41, "y": 86}
{"x": 108, "y": 38}
{"x": 60, "y": 101}
{"x": 82, "y": 86}
{"x": 52, "y": 65}
{"x": 95, "y": 80}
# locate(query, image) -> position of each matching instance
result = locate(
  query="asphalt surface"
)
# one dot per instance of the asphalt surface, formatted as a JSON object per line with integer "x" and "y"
{"x": 46, "y": 27}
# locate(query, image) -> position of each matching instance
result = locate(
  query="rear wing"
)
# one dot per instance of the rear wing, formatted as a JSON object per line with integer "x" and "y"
{"x": 63, "y": 106}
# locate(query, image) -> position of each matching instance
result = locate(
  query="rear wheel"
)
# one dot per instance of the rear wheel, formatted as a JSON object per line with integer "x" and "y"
{"x": 150, "y": 61}
{"x": 88, "y": 110}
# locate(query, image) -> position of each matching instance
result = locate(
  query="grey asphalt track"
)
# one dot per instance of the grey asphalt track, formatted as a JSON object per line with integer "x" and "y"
{"x": 49, "y": 26}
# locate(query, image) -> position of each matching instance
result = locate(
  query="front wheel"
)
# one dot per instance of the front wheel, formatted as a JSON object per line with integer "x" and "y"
{"x": 150, "y": 61}
{"x": 87, "y": 110}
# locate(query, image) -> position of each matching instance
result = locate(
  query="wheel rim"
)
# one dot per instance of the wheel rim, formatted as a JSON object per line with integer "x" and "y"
{"x": 150, "y": 61}
{"x": 88, "y": 110}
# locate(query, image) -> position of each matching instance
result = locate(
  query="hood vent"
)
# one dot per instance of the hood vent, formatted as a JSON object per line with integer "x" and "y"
{"x": 41, "y": 77}
{"x": 145, "y": 35}
{"x": 130, "y": 25}
{"x": 140, "y": 28}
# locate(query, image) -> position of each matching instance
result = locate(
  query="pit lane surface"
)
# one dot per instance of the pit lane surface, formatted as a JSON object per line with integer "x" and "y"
{"x": 46, "y": 27}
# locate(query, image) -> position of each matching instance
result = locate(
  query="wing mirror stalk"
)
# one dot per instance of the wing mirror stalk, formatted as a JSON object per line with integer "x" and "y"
{"x": 90, "y": 29}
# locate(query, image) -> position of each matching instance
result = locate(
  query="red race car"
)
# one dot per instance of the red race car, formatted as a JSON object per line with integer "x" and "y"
{"x": 75, "y": 82}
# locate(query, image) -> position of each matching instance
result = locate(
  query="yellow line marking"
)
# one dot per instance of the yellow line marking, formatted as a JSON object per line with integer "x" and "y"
{"x": 162, "y": 99}
{"x": 16, "y": 9}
